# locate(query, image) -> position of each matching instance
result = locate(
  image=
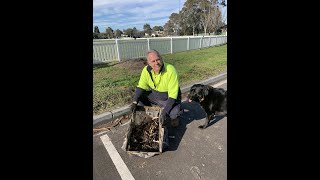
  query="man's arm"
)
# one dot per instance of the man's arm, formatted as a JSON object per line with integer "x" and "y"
{"x": 137, "y": 94}
{"x": 173, "y": 89}
{"x": 141, "y": 87}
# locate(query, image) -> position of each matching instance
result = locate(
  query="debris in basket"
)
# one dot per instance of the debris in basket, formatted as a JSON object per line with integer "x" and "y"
{"x": 145, "y": 136}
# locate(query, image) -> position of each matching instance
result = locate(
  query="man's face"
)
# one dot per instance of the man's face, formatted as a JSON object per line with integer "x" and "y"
{"x": 155, "y": 62}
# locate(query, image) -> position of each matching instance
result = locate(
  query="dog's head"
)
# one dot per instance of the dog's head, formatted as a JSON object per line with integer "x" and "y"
{"x": 198, "y": 92}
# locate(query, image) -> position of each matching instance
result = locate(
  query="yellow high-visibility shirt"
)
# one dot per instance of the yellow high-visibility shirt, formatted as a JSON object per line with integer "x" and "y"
{"x": 166, "y": 81}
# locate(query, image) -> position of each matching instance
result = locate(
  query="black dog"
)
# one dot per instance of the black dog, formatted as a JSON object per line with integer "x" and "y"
{"x": 212, "y": 100}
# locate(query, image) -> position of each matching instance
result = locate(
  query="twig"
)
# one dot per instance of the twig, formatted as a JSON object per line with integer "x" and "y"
{"x": 101, "y": 129}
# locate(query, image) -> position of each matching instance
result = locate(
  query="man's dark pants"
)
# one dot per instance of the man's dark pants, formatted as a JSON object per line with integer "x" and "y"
{"x": 150, "y": 98}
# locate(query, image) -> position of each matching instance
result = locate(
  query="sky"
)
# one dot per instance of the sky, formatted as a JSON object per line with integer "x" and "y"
{"x": 123, "y": 14}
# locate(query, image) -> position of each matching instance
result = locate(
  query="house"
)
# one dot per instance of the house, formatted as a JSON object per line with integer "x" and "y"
{"x": 157, "y": 33}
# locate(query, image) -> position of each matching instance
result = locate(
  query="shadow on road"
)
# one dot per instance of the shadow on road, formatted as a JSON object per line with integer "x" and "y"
{"x": 192, "y": 112}
{"x": 215, "y": 120}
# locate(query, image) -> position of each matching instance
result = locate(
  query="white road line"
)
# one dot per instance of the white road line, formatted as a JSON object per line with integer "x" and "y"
{"x": 116, "y": 158}
{"x": 220, "y": 83}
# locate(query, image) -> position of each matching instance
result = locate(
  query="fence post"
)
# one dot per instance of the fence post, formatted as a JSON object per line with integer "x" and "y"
{"x": 201, "y": 42}
{"x": 148, "y": 44}
{"x": 209, "y": 41}
{"x": 117, "y": 45}
{"x": 188, "y": 46}
{"x": 171, "y": 45}
{"x": 216, "y": 39}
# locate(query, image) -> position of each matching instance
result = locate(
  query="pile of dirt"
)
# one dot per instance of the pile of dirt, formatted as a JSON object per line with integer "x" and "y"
{"x": 133, "y": 64}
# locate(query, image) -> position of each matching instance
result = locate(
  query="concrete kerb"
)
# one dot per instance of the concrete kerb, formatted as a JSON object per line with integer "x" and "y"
{"x": 211, "y": 80}
{"x": 109, "y": 116}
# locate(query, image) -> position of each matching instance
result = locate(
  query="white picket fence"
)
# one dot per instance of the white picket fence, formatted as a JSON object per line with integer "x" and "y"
{"x": 118, "y": 50}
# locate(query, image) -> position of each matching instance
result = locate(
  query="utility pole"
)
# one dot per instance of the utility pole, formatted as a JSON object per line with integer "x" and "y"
{"x": 179, "y": 20}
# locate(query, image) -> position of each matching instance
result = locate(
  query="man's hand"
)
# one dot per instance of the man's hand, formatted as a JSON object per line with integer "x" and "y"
{"x": 133, "y": 107}
{"x": 169, "y": 105}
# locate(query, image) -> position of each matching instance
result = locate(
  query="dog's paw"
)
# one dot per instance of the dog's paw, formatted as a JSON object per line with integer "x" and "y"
{"x": 202, "y": 127}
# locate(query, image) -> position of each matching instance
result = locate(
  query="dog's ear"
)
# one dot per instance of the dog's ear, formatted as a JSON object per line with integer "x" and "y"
{"x": 205, "y": 90}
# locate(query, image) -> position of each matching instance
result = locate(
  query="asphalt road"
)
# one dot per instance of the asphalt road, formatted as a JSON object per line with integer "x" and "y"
{"x": 193, "y": 154}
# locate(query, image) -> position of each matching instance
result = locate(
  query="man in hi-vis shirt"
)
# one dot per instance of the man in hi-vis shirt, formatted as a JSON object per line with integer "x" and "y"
{"x": 159, "y": 85}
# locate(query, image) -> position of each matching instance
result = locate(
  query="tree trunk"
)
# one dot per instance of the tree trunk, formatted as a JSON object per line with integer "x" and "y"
{"x": 193, "y": 30}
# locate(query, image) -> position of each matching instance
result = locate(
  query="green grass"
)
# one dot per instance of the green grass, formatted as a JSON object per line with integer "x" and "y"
{"x": 113, "y": 85}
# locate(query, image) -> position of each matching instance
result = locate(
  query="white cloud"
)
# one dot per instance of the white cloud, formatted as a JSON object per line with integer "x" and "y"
{"x": 123, "y": 14}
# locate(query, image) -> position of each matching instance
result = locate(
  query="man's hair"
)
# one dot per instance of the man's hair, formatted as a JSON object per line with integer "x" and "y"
{"x": 154, "y": 51}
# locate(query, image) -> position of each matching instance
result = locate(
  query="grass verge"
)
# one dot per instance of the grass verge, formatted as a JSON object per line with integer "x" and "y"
{"x": 114, "y": 83}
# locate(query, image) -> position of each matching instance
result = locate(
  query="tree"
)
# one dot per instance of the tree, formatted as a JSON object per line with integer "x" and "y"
{"x": 158, "y": 28}
{"x": 202, "y": 15}
{"x": 173, "y": 24}
{"x": 95, "y": 35}
{"x": 206, "y": 10}
{"x": 109, "y": 32}
{"x": 206, "y": 13}
{"x": 128, "y": 32}
{"x": 134, "y": 32}
{"x": 147, "y": 29}
{"x": 168, "y": 28}
{"x": 140, "y": 33}
{"x": 218, "y": 19}
{"x": 118, "y": 33}
{"x": 187, "y": 25}
{"x": 190, "y": 16}
{"x": 175, "y": 19}
{"x": 223, "y": 3}
{"x": 96, "y": 29}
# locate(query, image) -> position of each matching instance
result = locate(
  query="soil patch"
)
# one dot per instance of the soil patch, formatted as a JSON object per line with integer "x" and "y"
{"x": 133, "y": 64}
